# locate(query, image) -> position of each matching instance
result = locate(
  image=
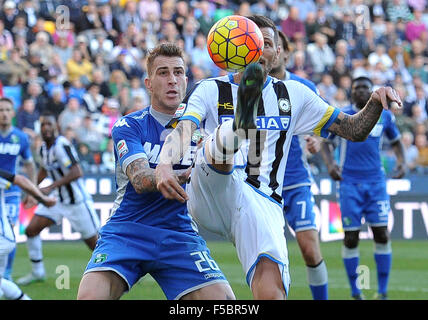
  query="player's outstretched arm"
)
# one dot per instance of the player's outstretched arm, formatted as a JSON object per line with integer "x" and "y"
{"x": 357, "y": 127}
{"x": 173, "y": 150}
{"x": 74, "y": 173}
{"x": 30, "y": 188}
{"x": 143, "y": 178}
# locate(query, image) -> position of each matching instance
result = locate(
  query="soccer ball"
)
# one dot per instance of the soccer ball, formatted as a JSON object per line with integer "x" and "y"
{"x": 234, "y": 42}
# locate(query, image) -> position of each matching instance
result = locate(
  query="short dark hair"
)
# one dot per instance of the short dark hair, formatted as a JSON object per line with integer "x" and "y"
{"x": 265, "y": 22}
{"x": 165, "y": 49}
{"x": 362, "y": 78}
{"x": 47, "y": 114}
{"x": 6, "y": 99}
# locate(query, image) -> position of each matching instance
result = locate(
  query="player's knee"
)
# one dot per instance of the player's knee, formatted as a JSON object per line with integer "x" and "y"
{"x": 31, "y": 232}
{"x": 380, "y": 235}
{"x": 351, "y": 239}
{"x": 267, "y": 281}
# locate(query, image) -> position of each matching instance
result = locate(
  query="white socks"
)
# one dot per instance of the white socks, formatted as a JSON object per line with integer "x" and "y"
{"x": 11, "y": 291}
{"x": 34, "y": 245}
{"x": 225, "y": 142}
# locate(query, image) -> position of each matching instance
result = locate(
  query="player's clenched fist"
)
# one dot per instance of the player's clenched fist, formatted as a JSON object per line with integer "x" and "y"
{"x": 387, "y": 96}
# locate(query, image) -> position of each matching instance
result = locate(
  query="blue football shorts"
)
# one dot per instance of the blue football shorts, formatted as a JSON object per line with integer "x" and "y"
{"x": 368, "y": 200}
{"x": 298, "y": 208}
{"x": 179, "y": 262}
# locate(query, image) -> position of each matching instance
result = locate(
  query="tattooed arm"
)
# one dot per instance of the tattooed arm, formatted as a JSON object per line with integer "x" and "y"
{"x": 174, "y": 148}
{"x": 357, "y": 127}
{"x": 143, "y": 178}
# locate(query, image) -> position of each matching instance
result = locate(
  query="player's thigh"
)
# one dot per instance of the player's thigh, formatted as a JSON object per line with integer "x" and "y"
{"x": 213, "y": 196}
{"x": 298, "y": 208}
{"x": 216, "y": 291}
{"x": 83, "y": 219}
{"x": 6, "y": 247}
{"x": 259, "y": 234}
{"x": 351, "y": 200}
{"x": 37, "y": 224}
{"x": 267, "y": 283}
{"x": 184, "y": 265}
{"x": 101, "y": 285}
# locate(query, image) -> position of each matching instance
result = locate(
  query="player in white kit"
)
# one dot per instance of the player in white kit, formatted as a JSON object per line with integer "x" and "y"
{"x": 236, "y": 183}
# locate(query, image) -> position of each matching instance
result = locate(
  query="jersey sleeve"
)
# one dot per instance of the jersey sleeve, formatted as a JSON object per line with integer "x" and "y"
{"x": 391, "y": 130}
{"x": 128, "y": 142}
{"x": 66, "y": 153}
{"x": 194, "y": 106}
{"x": 314, "y": 115}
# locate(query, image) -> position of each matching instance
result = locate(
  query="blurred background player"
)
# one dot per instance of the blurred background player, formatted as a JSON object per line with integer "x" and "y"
{"x": 8, "y": 289}
{"x": 297, "y": 195}
{"x": 59, "y": 163}
{"x": 14, "y": 147}
{"x": 362, "y": 188}
{"x": 147, "y": 233}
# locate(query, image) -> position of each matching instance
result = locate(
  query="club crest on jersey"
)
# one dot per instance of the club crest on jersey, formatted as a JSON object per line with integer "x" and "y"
{"x": 122, "y": 148}
{"x": 284, "y": 105}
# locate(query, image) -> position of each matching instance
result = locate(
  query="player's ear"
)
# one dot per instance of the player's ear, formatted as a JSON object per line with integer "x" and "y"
{"x": 148, "y": 84}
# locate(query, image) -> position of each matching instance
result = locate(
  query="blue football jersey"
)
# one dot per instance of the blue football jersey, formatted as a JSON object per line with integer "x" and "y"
{"x": 361, "y": 161}
{"x": 13, "y": 145}
{"x": 140, "y": 135}
{"x": 297, "y": 171}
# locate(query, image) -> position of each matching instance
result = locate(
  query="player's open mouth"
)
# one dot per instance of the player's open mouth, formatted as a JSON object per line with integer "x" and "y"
{"x": 172, "y": 93}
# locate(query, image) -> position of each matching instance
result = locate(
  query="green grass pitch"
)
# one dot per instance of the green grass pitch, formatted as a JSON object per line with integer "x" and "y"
{"x": 408, "y": 279}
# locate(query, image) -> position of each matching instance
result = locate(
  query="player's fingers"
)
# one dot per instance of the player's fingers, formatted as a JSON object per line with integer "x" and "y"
{"x": 395, "y": 98}
{"x": 383, "y": 99}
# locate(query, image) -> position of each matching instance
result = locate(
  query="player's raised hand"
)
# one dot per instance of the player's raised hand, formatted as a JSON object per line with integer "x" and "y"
{"x": 387, "y": 96}
{"x": 167, "y": 183}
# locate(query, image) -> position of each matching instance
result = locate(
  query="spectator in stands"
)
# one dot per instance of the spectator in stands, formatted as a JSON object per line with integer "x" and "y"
{"x": 26, "y": 118}
{"x": 340, "y": 99}
{"x": 416, "y": 27}
{"x": 42, "y": 45}
{"x": 149, "y": 7}
{"x": 339, "y": 69}
{"x": 35, "y": 92}
{"x": 129, "y": 15}
{"x": 98, "y": 77}
{"x": 122, "y": 64}
{"x": 86, "y": 158}
{"x": 305, "y": 7}
{"x": 398, "y": 10}
{"x": 90, "y": 18}
{"x": 292, "y": 26}
{"x": 419, "y": 68}
{"x": 101, "y": 45}
{"x": 346, "y": 28}
{"x": 72, "y": 116}
{"x": 326, "y": 87}
{"x": 88, "y": 134}
{"x": 320, "y": 55}
{"x": 411, "y": 152}
{"x": 78, "y": 67}
{"x": 110, "y": 23}
{"x": 63, "y": 48}
{"x": 422, "y": 145}
{"x": 14, "y": 70}
{"x": 6, "y": 41}
{"x": 205, "y": 20}
{"x": 302, "y": 66}
{"x": 20, "y": 27}
{"x": 92, "y": 99}
{"x": 137, "y": 90}
{"x": 107, "y": 157}
{"x": 8, "y": 14}
{"x": 117, "y": 81}
{"x": 55, "y": 104}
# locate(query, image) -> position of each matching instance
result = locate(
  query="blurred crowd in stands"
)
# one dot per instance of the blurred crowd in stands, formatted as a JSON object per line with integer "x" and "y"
{"x": 85, "y": 60}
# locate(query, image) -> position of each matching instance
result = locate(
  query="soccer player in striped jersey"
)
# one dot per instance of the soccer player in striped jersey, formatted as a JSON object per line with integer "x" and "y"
{"x": 297, "y": 195}
{"x": 236, "y": 184}
{"x": 146, "y": 233}
{"x": 362, "y": 188}
{"x": 59, "y": 163}
{"x": 8, "y": 289}
{"x": 14, "y": 147}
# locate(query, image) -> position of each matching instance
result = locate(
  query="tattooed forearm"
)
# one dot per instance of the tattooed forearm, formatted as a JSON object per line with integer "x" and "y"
{"x": 177, "y": 142}
{"x": 358, "y": 126}
{"x": 141, "y": 176}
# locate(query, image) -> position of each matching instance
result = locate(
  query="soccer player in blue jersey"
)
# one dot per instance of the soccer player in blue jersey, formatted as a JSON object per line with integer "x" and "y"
{"x": 8, "y": 289}
{"x": 14, "y": 146}
{"x": 362, "y": 191}
{"x": 297, "y": 195}
{"x": 146, "y": 233}
{"x": 236, "y": 184}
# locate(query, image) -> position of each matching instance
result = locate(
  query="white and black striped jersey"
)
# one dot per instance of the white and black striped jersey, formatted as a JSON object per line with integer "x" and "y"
{"x": 287, "y": 108}
{"x": 6, "y": 230}
{"x": 57, "y": 161}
